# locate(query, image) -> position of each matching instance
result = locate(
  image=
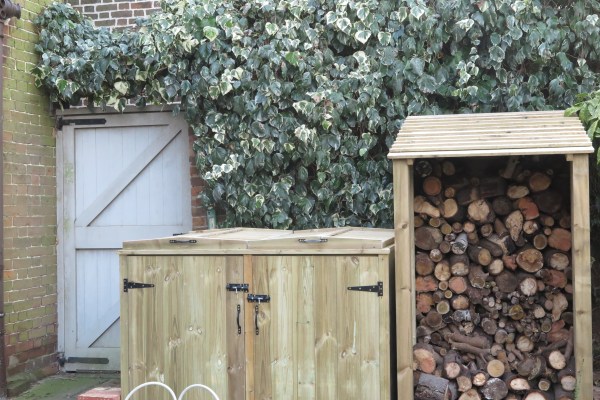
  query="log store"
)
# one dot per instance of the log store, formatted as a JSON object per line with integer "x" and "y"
{"x": 493, "y": 257}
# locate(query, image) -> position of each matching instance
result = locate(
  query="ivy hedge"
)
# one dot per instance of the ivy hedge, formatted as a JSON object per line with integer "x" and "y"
{"x": 294, "y": 103}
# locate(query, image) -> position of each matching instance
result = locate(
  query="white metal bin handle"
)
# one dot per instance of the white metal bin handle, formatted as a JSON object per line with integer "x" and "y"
{"x": 151, "y": 384}
{"x": 200, "y": 386}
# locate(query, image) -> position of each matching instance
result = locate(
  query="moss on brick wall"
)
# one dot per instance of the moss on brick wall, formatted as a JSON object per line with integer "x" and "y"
{"x": 29, "y": 205}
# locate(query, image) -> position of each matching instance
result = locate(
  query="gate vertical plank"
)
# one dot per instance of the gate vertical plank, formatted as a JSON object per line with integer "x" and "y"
{"x": 368, "y": 328}
{"x": 385, "y": 268}
{"x": 283, "y": 365}
{"x": 248, "y": 328}
{"x": 405, "y": 310}
{"x": 348, "y": 274}
{"x": 582, "y": 279}
{"x": 169, "y": 319}
{"x": 236, "y": 362}
{"x": 198, "y": 338}
{"x": 148, "y": 333}
{"x": 263, "y": 381}
{"x": 124, "y": 313}
{"x": 306, "y": 312}
{"x": 327, "y": 336}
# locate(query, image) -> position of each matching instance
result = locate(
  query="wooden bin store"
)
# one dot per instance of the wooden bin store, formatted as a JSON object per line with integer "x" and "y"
{"x": 493, "y": 257}
{"x": 260, "y": 314}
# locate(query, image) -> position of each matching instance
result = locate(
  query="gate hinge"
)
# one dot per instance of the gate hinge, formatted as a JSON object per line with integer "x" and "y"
{"x": 373, "y": 288}
{"x": 127, "y": 284}
{"x": 79, "y": 121}
{"x": 237, "y": 287}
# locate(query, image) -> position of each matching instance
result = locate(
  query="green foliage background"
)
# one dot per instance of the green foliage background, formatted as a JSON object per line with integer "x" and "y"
{"x": 294, "y": 103}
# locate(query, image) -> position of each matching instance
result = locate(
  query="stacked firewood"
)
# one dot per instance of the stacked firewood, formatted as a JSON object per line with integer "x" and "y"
{"x": 493, "y": 282}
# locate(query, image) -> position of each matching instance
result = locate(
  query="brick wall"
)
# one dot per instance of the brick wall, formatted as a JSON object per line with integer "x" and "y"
{"x": 115, "y": 13}
{"x": 29, "y": 206}
{"x": 198, "y": 185}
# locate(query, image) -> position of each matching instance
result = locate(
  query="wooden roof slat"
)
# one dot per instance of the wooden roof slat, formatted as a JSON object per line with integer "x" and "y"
{"x": 510, "y": 115}
{"x": 543, "y": 132}
{"x": 495, "y": 126}
{"x": 488, "y": 153}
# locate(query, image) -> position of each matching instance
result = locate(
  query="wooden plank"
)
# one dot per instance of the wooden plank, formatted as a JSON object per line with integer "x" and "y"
{"x": 129, "y": 173}
{"x": 149, "y": 309}
{"x": 327, "y": 343}
{"x": 404, "y": 274}
{"x": 507, "y": 115}
{"x": 263, "y": 352}
{"x": 282, "y": 324}
{"x": 100, "y": 325}
{"x": 190, "y": 250}
{"x": 368, "y": 327}
{"x": 124, "y": 312}
{"x": 198, "y": 337}
{"x": 410, "y": 123}
{"x": 306, "y": 311}
{"x": 398, "y": 154}
{"x": 385, "y": 267}
{"x": 348, "y": 320}
{"x": 67, "y": 254}
{"x": 485, "y": 131}
{"x": 582, "y": 279}
{"x": 236, "y": 358}
{"x": 248, "y": 329}
{"x": 483, "y": 136}
{"x": 479, "y": 146}
{"x": 112, "y": 237}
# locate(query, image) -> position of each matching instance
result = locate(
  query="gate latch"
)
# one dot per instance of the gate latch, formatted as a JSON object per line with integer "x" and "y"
{"x": 127, "y": 284}
{"x": 373, "y": 288}
{"x": 257, "y": 298}
{"x": 237, "y": 287}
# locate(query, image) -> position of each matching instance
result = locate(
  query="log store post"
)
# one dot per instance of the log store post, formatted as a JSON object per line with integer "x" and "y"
{"x": 509, "y": 137}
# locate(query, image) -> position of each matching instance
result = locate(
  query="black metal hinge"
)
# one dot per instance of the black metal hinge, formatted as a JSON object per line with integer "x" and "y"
{"x": 83, "y": 121}
{"x": 127, "y": 284}
{"x": 373, "y": 288}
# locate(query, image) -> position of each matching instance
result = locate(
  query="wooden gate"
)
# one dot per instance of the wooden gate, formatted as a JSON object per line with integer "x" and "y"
{"x": 120, "y": 177}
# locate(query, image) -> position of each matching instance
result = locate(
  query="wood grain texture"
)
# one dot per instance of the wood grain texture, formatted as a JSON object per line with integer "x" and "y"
{"x": 582, "y": 279}
{"x": 523, "y": 133}
{"x": 124, "y": 311}
{"x": 347, "y": 315}
{"x": 236, "y": 358}
{"x": 317, "y": 339}
{"x": 305, "y": 309}
{"x": 248, "y": 328}
{"x": 404, "y": 274}
{"x": 326, "y": 329}
{"x": 178, "y": 330}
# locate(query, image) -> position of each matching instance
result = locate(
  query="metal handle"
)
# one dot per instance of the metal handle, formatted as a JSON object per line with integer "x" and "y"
{"x": 173, "y": 241}
{"x": 256, "y": 319}
{"x": 239, "y": 311}
{"x": 308, "y": 241}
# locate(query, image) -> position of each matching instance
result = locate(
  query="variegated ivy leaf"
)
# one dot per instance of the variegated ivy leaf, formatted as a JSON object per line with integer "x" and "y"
{"x": 210, "y": 33}
{"x": 362, "y": 36}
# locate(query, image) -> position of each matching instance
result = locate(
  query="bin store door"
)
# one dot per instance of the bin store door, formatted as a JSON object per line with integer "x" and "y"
{"x": 317, "y": 339}
{"x": 184, "y": 330}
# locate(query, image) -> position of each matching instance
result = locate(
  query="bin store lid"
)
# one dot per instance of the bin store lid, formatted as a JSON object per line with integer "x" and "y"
{"x": 247, "y": 239}
{"x": 490, "y": 134}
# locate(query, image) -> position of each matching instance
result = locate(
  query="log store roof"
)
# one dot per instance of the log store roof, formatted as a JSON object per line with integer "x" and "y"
{"x": 493, "y": 134}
